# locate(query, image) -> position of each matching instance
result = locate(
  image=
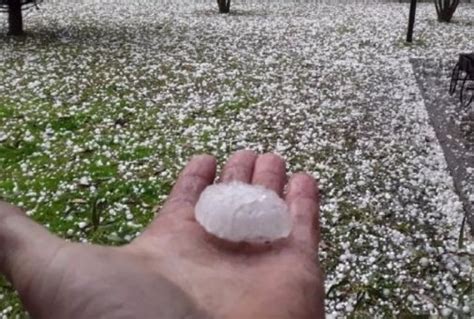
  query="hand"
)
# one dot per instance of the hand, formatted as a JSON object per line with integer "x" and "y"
{"x": 174, "y": 269}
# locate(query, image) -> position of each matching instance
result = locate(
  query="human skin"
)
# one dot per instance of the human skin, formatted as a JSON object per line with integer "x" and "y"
{"x": 174, "y": 269}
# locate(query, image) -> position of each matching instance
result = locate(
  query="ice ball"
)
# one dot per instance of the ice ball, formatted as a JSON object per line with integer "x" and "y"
{"x": 240, "y": 212}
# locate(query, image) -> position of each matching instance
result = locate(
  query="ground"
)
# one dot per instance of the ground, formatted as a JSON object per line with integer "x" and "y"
{"x": 453, "y": 123}
{"x": 103, "y": 103}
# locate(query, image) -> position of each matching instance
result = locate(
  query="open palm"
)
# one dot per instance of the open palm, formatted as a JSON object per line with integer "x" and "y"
{"x": 175, "y": 269}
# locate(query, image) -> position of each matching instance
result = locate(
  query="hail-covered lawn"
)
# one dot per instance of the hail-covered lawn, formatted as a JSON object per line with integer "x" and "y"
{"x": 104, "y": 102}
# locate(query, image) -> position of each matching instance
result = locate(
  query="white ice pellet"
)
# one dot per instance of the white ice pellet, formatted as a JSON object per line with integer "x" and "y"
{"x": 241, "y": 212}
{"x": 424, "y": 262}
{"x": 82, "y": 225}
{"x": 84, "y": 181}
{"x": 445, "y": 312}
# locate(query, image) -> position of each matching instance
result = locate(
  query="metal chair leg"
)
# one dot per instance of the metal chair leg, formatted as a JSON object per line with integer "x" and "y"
{"x": 467, "y": 95}
{"x": 454, "y": 79}
{"x": 463, "y": 84}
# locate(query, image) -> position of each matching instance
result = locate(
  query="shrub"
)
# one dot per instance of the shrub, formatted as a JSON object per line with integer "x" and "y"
{"x": 445, "y": 9}
{"x": 224, "y": 6}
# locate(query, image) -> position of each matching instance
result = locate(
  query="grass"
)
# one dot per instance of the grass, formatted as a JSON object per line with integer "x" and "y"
{"x": 98, "y": 131}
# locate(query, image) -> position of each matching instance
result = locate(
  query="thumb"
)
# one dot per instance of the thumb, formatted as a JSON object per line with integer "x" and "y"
{"x": 25, "y": 246}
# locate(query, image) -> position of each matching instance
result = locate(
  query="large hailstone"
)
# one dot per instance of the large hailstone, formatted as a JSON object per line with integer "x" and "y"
{"x": 241, "y": 212}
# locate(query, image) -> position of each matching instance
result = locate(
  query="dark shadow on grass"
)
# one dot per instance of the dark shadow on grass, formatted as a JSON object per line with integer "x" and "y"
{"x": 458, "y": 22}
{"x": 41, "y": 37}
{"x": 90, "y": 35}
{"x": 238, "y": 13}
{"x": 35, "y": 40}
{"x": 463, "y": 22}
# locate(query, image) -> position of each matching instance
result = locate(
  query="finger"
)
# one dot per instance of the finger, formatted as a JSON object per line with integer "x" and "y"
{"x": 239, "y": 167}
{"x": 270, "y": 172}
{"x": 303, "y": 201}
{"x": 25, "y": 246}
{"x": 197, "y": 175}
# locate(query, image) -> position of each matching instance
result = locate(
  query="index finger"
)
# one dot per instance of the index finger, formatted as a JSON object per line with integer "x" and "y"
{"x": 196, "y": 176}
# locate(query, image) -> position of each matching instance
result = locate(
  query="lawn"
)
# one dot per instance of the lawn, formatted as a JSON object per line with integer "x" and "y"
{"x": 104, "y": 102}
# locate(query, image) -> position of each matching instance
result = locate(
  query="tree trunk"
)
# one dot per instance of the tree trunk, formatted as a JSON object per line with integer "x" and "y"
{"x": 15, "y": 18}
{"x": 445, "y": 9}
{"x": 411, "y": 21}
{"x": 224, "y": 6}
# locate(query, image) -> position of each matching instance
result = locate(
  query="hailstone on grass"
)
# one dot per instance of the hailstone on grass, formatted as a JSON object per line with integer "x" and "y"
{"x": 240, "y": 212}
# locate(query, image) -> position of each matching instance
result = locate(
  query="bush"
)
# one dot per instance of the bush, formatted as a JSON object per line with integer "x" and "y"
{"x": 224, "y": 6}
{"x": 445, "y": 9}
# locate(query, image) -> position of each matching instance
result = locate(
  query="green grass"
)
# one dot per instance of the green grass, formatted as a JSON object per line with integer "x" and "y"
{"x": 127, "y": 111}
